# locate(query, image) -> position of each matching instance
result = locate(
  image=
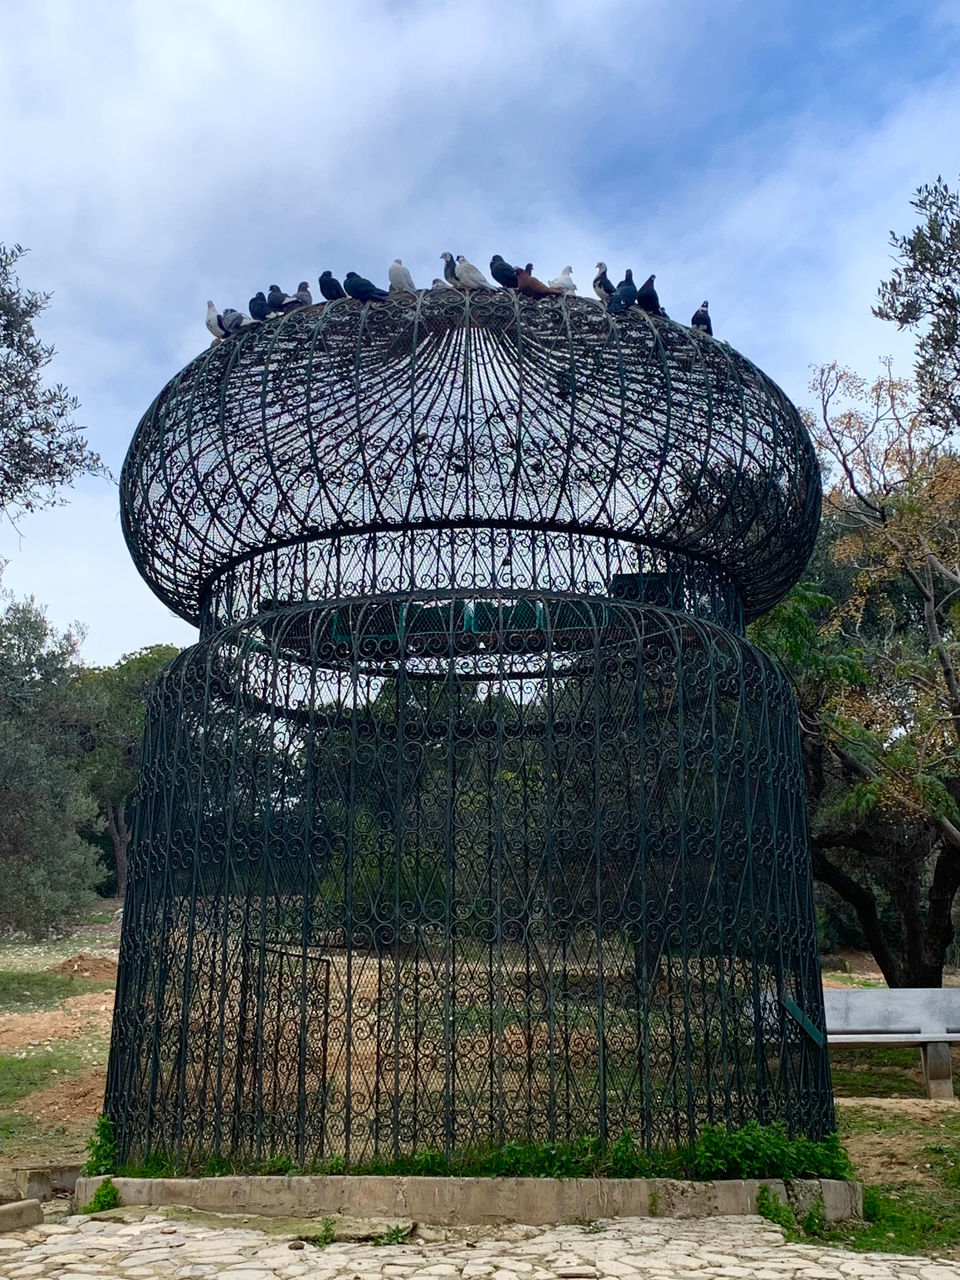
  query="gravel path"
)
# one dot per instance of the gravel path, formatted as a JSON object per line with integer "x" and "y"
{"x": 645, "y": 1248}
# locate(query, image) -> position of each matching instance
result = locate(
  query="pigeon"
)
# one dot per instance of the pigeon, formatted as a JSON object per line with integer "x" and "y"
{"x": 502, "y": 272}
{"x": 564, "y": 281}
{"x": 701, "y": 319}
{"x": 647, "y": 299}
{"x": 471, "y": 277}
{"x": 362, "y": 289}
{"x": 215, "y": 322}
{"x": 330, "y": 287}
{"x": 259, "y": 308}
{"x": 602, "y": 284}
{"x": 277, "y": 300}
{"x": 531, "y": 287}
{"x": 233, "y": 320}
{"x": 450, "y": 270}
{"x": 303, "y": 294}
{"x": 401, "y": 281}
{"x": 529, "y": 268}
{"x": 440, "y": 284}
{"x": 624, "y": 296}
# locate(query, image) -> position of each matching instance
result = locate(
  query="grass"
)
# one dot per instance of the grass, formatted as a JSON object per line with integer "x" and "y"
{"x": 876, "y": 1073}
{"x": 902, "y": 1220}
{"x": 22, "y": 1075}
{"x": 22, "y": 991}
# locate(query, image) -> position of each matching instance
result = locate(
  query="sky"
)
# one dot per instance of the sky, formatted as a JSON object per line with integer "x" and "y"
{"x": 155, "y": 155}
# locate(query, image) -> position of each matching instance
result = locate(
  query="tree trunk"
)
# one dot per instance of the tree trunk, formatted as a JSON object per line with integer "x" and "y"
{"x": 120, "y": 835}
{"x": 865, "y": 905}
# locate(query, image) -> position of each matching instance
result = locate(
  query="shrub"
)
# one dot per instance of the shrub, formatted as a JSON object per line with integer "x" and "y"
{"x": 105, "y": 1197}
{"x": 101, "y": 1149}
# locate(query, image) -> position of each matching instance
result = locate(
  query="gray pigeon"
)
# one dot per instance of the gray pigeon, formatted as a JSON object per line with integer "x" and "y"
{"x": 440, "y": 284}
{"x": 471, "y": 277}
{"x": 233, "y": 320}
{"x": 303, "y": 294}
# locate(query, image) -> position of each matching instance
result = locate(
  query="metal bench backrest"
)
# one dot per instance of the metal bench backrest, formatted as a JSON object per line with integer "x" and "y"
{"x": 927, "y": 1013}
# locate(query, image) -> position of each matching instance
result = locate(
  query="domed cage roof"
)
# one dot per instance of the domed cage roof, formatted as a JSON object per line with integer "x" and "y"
{"x": 458, "y": 442}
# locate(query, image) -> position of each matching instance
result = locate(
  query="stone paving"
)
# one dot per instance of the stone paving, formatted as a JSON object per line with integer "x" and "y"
{"x": 160, "y": 1247}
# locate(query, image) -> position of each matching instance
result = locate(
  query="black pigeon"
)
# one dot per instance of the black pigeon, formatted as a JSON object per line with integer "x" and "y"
{"x": 361, "y": 289}
{"x": 647, "y": 299}
{"x": 330, "y": 287}
{"x": 259, "y": 307}
{"x": 701, "y": 319}
{"x": 450, "y": 269}
{"x": 502, "y": 272}
{"x": 529, "y": 268}
{"x": 624, "y": 296}
{"x": 277, "y": 300}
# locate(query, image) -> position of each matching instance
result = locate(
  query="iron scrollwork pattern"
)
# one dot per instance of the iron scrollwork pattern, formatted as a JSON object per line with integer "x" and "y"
{"x": 472, "y": 816}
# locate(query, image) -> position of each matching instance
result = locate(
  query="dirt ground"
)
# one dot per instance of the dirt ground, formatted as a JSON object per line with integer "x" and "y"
{"x": 83, "y": 1015}
{"x": 103, "y": 968}
{"x": 895, "y": 1153}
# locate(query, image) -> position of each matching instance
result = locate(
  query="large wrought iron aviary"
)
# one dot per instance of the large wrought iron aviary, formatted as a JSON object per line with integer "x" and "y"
{"x": 472, "y": 816}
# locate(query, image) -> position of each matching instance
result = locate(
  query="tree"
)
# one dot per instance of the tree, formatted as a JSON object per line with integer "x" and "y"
{"x": 114, "y": 706}
{"x": 41, "y": 448}
{"x": 877, "y": 669}
{"x": 48, "y": 872}
{"x": 923, "y": 294}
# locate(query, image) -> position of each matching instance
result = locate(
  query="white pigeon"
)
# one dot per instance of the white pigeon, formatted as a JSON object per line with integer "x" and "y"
{"x": 214, "y": 321}
{"x": 471, "y": 277}
{"x": 401, "y": 281}
{"x": 440, "y": 284}
{"x": 563, "y": 281}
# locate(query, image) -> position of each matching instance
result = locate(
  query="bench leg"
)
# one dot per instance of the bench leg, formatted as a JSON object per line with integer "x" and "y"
{"x": 937, "y": 1071}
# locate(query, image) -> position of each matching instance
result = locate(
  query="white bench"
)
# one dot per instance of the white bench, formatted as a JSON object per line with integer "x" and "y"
{"x": 924, "y": 1016}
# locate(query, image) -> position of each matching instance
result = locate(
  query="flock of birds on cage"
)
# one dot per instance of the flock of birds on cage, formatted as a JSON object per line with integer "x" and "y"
{"x": 458, "y": 273}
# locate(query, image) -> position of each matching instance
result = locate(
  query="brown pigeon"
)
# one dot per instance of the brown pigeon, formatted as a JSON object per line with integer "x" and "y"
{"x": 531, "y": 287}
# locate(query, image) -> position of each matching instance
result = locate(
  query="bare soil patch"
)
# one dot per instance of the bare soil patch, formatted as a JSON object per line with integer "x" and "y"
{"x": 894, "y": 1151}
{"x": 86, "y": 1014}
{"x": 102, "y": 968}
{"x": 74, "y": 1102}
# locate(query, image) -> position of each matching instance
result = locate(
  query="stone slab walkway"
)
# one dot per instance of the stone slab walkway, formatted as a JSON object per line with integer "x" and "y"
{"x": 158, "y": 1248}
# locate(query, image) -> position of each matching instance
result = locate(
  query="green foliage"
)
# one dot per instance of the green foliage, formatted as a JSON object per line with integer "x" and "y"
{"x": 755, "y": 1151}
{"x": 104, "y": 1198}
{"x": 393, "y": 1235}
{"x": 922, "y": 295}
{"x": 326, "y": 1235}
{"x": 815, "y": 1220}
{"x": 765, "y": 1151}
{"x": 773, "y": 1209}
{"x": 101, "y": 1149}
{"x": 41, "y": 449}
{"x": 44, "y": 801}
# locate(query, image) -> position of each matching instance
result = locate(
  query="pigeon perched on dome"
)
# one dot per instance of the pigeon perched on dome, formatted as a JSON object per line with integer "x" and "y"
{"x": 471, "y": 277}
{"x": 603, "y": 286}
{"x": 278, "y": 301}
{"x": 330, "y": 286}
{"x": 624, "y": 296}
{"x": 502, "y": 272}
{"x": 303, "y": 294}
{"x": 701, "y": 319}
{"x": 564, "y": 281}
{"x": 259, "y": 307}
{"x": 359, "y": 287}
{"x": 232, "y": 319}
{"x": 401, "y": 281}
{"x": 450, "y": 270}
{"x": 215, "y": 321}
{"x": 531, "y": 287}
{"x": 440, "y": 284}
{"x": 647, "y": 298}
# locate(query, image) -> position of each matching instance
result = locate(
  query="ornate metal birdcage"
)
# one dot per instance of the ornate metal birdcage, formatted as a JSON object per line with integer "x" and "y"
{"x": 472, "y": 816}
